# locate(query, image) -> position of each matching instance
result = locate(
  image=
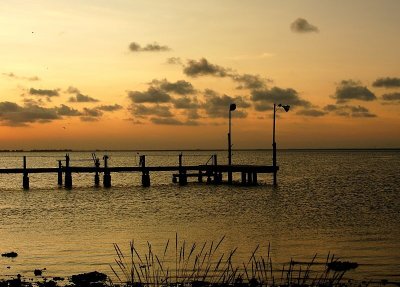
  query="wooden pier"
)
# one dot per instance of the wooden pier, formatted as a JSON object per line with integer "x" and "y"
{"x": 210, "y": 173}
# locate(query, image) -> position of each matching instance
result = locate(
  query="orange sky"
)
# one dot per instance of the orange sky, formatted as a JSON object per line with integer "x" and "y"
{"x": 156, "y": 75}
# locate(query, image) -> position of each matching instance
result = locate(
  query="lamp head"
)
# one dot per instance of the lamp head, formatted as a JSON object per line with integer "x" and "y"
{"x": 232, "y": 107}
{"x": 285, "y": 107}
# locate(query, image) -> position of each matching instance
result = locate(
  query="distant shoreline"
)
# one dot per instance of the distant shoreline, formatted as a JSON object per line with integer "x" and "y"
{"x": 193, "y": 150}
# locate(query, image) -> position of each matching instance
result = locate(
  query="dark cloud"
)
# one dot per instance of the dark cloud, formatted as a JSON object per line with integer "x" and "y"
{"x": 154, "y": 47}
{"x": 387, "y": 82}
{"x": 174, "y": 61}
{"x": 180, "y": 87}
{"x": 262, "y": 98}
{"x": 248, "y": 81}
{"x": 311, "y": 113}
{"x": 351, "y": 90}
{"x": 263, "y": 106}
{"x": 64, "y": 110}
{"x": 12, "y": 114}
{"x": 109, "y": 108}
{"x": 185, "y": 103}
{"x": 155, "y": 110}
{"x": 94, "y": 112}
{"x": 152, "y": 95}
{"x": 14, "y": 76}
{"x": 202, "y": 67}
{"x": 45, "y": 93}
{"x": 301, "y": 25}
{"x": 173, "y": 121}
{"x": 193, "y": 114}
{"x": 217, "y": 106}
{"x": 80, "y": 98}
{"x": 393, "y": 97}
{"x": 349, "y": 111}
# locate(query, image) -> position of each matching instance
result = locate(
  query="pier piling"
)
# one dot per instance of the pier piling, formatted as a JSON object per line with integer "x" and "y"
{"x": 145, "y": 171}
{"x": 107, "y": 175}
{"x": 25, "y": 178}
{"x": 59, "y": 174}
{"x": 182, "y": 172}
{"x": 68, "y": 175}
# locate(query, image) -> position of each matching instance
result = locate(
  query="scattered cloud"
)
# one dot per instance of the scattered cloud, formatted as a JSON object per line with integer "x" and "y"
{"x": 45, "y": 93}
{"x": 140, "y": 110}
{"x": 392, "y": 97}
{"x": 152, "y": 95}
{"x": 154, "y": 47}
{"x": 180, "y": 87}
{"x": 349, "y": 111}
{"x": 185, "y": 103}
{"x": 265, "y": 97}
{"x": 173, "y": 121}
{"x": 109, "y": 108}
{"x": 12, "y": 114}
{"x": 202, "y": 67}
{"x": 174, "y": 61}
{"x": 79, "y": 97}
{"x": 94, "y": 112}
{"x": 248, "y": 81}
{"x": 311, "y": 113}
{"x": 14, "y": 76}
{"x": 387, "y": 82}
{"x": 349, "y": 90}
{"x": 217, "y": 106}
{"x": 64, "y": 110}
{"x": 301, "y": 25}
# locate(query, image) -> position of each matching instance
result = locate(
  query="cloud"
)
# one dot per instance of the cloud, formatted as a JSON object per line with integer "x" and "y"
{"x": 349, "y": 111}
{"x": 351, "y": 90}
{"x": 180, "y": 87}
{"x": 109, "y": 108}
{"x": 311, "y": 113}
{"x": 64, "y": 110}
{"x": 301, "y": 25}
{"x": 156, "y": 110}
{"x": 202, "y": 67}
{"x": 217, "y": 106}
{"x": 185, "y": 103}
{"x": 248, "y": 81}
{"x": 45, "y": 93}
{"x": 262, "y": 98}
{"x": 174, "y": 61}
{"x": 14, "y": 76}
{"x": 79, "y": 98}
{"x": 173, "y": 121}
{"x": 387, "y": 83}
{"x": 392, "y": 97}
{"x": 152, "y": 95}
{"x": 12, "y": 114}
{"x": 154, "y": 47}
{"x": 94, "y": 112}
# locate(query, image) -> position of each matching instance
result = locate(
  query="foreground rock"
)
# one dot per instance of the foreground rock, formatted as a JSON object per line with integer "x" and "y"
{"x": 89, "y": 279}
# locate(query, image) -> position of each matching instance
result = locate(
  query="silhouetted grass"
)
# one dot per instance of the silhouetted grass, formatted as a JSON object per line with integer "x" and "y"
{"x": 203, "y": 265}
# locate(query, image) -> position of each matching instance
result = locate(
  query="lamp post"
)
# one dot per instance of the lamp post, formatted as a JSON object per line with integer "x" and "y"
{"x": 286, "y": 108}
{"x": 232, "y": 107}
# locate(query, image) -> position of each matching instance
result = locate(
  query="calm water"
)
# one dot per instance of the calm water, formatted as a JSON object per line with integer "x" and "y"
{"x": 343, "y": 202}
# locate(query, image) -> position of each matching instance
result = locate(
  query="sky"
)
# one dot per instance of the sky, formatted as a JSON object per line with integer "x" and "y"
{"x": 139, "y": 74}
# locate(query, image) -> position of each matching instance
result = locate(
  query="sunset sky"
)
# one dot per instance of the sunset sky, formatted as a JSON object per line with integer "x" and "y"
{"x": 130, "y": 74}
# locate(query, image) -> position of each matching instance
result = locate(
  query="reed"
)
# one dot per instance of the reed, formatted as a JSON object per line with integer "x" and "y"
{"x": 204, "y": 265}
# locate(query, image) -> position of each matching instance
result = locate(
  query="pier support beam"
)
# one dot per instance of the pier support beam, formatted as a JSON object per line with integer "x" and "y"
{"x": 68, "y": 175}
{"x": 59, "y": 174}
{"x": 182, "y": 172}
{"x": 107, "y": 175}
{"x": 145, "y": 172}
{"x": 25, "y": 178}
{"x": 200, "y": 177}
{"x": 243, "y": 177}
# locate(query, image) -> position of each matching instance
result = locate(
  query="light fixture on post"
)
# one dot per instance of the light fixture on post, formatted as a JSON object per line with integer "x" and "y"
{"x": 232, "y": 107}
{"x": 286, "y": 108}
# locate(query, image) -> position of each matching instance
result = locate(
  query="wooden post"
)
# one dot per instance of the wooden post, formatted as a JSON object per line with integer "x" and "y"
{"x": 182, "y": 172}
{"x": 145, "y": 172}
{"x": 25, "y": 178}
{"x": 96, "y": 175}
{"x": 59, "y": 173}
{"x": 68, "y": 175}
{"x": 107, "y": 175}
{"x": 243, "y": 177}
{"x": 250, "y": 178}
{"x": 215, "y": 163}
{"x": 200, "y": 177}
